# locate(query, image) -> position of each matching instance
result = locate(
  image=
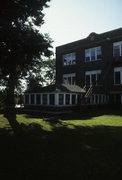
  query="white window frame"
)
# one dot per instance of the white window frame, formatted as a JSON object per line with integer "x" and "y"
{"x": 66, "y": 76}
{"x": 120, "y": 47}
{"x": 90, "y": 73}
{"x": 70, "y": 59}
{"x": 118, "y": 69}
{"x": 89, "y": 51}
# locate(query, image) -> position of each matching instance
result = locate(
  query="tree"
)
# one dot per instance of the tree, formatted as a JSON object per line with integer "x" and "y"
{"x": 42, "y": 74}
{"x": 21, "y": 45}
{"x": 50, "y": 71}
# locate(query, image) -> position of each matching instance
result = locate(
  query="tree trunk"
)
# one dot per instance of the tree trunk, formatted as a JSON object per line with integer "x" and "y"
{"x": 10, "y": 111}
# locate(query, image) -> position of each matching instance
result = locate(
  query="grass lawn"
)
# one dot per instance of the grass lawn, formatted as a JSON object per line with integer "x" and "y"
{"x": 73, "y": 146}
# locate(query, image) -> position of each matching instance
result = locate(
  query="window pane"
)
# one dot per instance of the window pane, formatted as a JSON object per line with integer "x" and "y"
{"x": 26, "y": 99}
{"x": 92, "y": 54}
{"x": 93, "y": 79}
{"x": 121, "y": 50}
{"x": 51, "y": 99}
{"x": 73, "y": 80}
{"x": 99, "y": 99}
{"x": 117, "y": 77}
{"x": 61, "y": 99}
{"x": 98, "y": 79}
{"x": 67, "y": 99}
{"x": 65, "y": 80}
{"x": 32, "y": 98}
{"x": 116, "y": 51}
{"x": 96, "y": 99}
{"x": 87, "y": 55}
{"x": 69, "y": 80}
{"x": 69, "y": 59}
{"x": 98, "y": 53}
{"x": 73, "y": 99}
{"x": 38, "y": 99}
{"x": 44, "y": 98}
{"x": 87, "y": 79}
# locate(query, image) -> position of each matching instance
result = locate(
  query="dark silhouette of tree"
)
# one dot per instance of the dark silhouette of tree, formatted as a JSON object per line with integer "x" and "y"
{"x": 21, "y": 45}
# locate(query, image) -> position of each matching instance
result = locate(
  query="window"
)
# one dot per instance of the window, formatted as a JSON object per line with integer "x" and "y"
{"x": 61, "y": 99}
{"x": 73, "y": 99}
{"x": 93, "y": 54}
{"x": 32, "y": 98}
{"x": 99, "y": 99}
{"x": 27, "y": 99}
{"x": 117, "y": 49}
{"x": 93, "y": 77}
{"x": 118, "y": 75}
{"x": 67, "y": 99}
{"x": 52, "y": 99}
{"x": 44, "y": 98}
{"x": 38, "y": 99}
{"x": 69, "y": 59}
{"x": 69, "y": 78}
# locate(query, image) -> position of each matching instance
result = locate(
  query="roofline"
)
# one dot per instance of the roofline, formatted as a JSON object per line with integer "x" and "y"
{"x": 88, "y": 36}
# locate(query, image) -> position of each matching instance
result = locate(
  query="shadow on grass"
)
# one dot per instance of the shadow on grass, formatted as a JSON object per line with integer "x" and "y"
{"x": 87, "y": 114}
{"x": 79, "y": 153}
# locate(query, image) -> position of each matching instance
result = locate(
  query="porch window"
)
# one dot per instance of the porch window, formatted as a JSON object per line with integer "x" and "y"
{"x": 73, "y": 99}
{"x": 44, "y": 99}
{"x": 38, "y": 99}
{"x": 27, "y": 99}
{"x": 61, "y": 99}
{"x": 52, "y": 99}
{"x": 32, "y": 98}
{"x": 67, "y": 99}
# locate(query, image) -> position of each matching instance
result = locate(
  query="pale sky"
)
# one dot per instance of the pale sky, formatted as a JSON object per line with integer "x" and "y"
{"x": 71, "y": 20}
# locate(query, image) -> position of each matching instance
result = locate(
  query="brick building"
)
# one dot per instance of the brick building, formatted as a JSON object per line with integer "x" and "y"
{"x": 95, "y": 64}
{"x": 88, "y": 71}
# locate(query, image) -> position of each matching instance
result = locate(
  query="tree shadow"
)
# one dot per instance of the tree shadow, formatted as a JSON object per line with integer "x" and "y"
{"x": 65, "y": 153}
{"x": 86, "y": 114}
{"x": 90, "y": 112}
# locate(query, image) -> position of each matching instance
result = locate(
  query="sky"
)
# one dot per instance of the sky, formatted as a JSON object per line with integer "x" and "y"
{"x": 70, "y": 20}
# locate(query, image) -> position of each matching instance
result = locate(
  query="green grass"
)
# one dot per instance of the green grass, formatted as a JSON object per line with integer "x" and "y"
{"x": 66, "y": 121}
{"x": 104, "y": 120}
{"x": 71, "y": 146}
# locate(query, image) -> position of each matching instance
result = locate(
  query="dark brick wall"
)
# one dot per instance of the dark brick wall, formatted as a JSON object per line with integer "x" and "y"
{"x": 107, "y": 64}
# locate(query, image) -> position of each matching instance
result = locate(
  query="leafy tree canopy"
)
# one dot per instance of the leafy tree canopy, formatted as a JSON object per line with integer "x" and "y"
{"x": 21, "y": 45}
{"x": 20, "y": 41}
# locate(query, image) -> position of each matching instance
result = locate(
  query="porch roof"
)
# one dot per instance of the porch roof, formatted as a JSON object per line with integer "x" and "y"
{"x": 57, "y": 88}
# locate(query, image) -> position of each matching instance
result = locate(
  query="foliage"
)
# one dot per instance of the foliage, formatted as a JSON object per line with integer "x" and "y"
{"x": 42, "y": 75}
{"x": 20, "y": 41}
{"x": 21, "y": 44}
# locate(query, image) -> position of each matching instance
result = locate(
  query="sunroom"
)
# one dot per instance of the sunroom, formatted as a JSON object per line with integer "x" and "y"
{"x": 54, "y": 96}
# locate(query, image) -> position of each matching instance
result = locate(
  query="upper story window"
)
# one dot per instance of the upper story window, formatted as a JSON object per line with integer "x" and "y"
{"x": 117, "y": 49}
{"x": 118, "y": 75}
{"x": 69, "y": 59}
{"x": 93, "y": 77}
{"x": 69, "y": 79}
{"x": 93, "y": 54}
